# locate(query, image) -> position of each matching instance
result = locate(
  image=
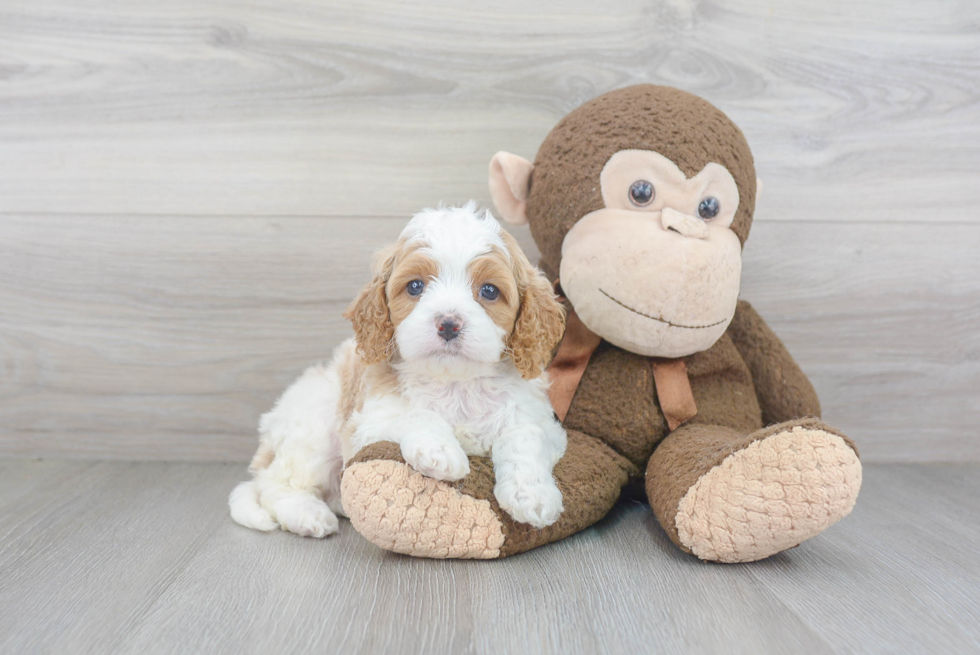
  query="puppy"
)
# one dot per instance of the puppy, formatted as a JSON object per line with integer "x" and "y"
{"x": 450, "y": 340}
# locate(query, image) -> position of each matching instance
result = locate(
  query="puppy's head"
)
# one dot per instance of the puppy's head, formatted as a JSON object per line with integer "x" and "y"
{"x": 456, "y": 288}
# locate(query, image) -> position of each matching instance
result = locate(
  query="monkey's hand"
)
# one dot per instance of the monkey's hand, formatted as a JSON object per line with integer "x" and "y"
{"x": 783, "y": 389}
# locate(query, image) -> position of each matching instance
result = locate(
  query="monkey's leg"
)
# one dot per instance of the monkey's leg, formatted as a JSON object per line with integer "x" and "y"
{"x": 728, "y": 497}
{"x": 399, "y": 509}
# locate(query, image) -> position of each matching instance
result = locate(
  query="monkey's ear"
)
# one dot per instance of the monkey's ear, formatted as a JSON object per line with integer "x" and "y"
{"x": 510, "y": 180}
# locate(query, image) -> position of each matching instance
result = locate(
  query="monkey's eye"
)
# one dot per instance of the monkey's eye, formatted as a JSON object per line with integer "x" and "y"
{"x": 415, "y": 287}
{"x": 709, "y": 208}
{"x": 489, "y": 292}
{"x": 642, "y": 193}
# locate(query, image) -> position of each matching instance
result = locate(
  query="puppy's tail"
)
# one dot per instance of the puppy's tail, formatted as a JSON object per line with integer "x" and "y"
{"x": 245, "y": 509}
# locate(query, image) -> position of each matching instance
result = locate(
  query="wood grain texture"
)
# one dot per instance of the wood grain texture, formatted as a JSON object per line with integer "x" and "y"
{"x": 165, "y": 338}
{"x": 856, "y": 110}
{"x": 142, "y": 558}
{"x": 91, "y": 547}
{"x": 179, "y": 184}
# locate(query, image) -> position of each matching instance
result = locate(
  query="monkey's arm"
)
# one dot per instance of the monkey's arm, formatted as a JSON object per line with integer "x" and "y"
{"x": 783, "y": 389}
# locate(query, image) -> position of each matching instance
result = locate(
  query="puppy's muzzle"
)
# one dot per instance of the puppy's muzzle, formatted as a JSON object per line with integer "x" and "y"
{"x": 448, "y": 327}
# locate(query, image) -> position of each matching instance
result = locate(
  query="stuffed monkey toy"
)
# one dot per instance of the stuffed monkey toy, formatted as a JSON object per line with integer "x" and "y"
{"x": 640, "y": 202}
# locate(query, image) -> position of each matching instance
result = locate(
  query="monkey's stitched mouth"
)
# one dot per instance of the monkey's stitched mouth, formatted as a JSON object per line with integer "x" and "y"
{"x": 655, "y": 318}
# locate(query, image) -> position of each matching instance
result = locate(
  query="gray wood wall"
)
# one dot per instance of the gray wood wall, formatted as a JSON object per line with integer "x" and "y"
{"x": 190, "y": 191}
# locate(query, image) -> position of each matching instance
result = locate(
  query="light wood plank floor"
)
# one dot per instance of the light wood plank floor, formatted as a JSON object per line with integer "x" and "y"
{"x": 142, "y": 558}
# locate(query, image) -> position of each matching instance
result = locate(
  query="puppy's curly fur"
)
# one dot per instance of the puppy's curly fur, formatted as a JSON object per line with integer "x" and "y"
{"x": 451, "y": 337}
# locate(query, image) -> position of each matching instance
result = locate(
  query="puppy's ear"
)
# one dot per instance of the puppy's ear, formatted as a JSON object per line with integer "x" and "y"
{"x": 510, "y": 182}
{"x": 373, "y": 329}
{"x": 540, "y": 318}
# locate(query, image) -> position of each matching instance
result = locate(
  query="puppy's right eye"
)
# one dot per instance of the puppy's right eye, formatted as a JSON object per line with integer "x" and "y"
{"x": 489, "y": 292}
{"x": 415, "y": 287}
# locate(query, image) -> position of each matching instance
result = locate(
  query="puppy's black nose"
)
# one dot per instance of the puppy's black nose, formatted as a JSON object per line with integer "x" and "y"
{"x": 448, "y": 327}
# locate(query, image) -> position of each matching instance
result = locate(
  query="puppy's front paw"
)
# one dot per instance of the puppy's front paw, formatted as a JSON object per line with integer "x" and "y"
{"x": 536, "y": 503}
{"x": 442, "y": 461}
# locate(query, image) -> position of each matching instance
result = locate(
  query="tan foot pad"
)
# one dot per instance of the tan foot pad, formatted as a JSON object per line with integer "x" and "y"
{"x": 770, "y": 496}
{"x": 401, "y": 510}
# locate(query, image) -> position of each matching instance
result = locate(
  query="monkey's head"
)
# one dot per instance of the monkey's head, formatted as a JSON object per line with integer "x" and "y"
{"x": 640, "y": 201}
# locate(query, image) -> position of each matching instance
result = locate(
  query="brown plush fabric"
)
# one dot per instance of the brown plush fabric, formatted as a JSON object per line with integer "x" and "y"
{"x": 388, "y": 450}
{"x": 590, "y": 477}
{"x": 681, "y": 126}
{"x": 723, "y": 388}
{"x": 617, "y": 400}
{"x": 783, "y": 389}
{"x": 745, "y": 381}
{"x": 616, "y": 403}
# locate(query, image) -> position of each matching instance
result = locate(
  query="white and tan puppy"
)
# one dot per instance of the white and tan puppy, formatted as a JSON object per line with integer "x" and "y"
{"x": 450, "y": 340}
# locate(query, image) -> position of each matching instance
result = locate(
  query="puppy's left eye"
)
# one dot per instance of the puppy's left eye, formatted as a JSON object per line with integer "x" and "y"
{"x": 489, "y": 292}
{"x": 415, "y": 287}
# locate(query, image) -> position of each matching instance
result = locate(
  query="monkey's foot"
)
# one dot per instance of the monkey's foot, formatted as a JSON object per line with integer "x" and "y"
{"x": 789, "y": 483}
{"x": 399, "y": 509}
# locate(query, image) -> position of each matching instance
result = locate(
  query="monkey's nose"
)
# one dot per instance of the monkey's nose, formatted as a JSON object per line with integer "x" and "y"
{"x": 683, "y": 224}
{"x": 448, "y": 327}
